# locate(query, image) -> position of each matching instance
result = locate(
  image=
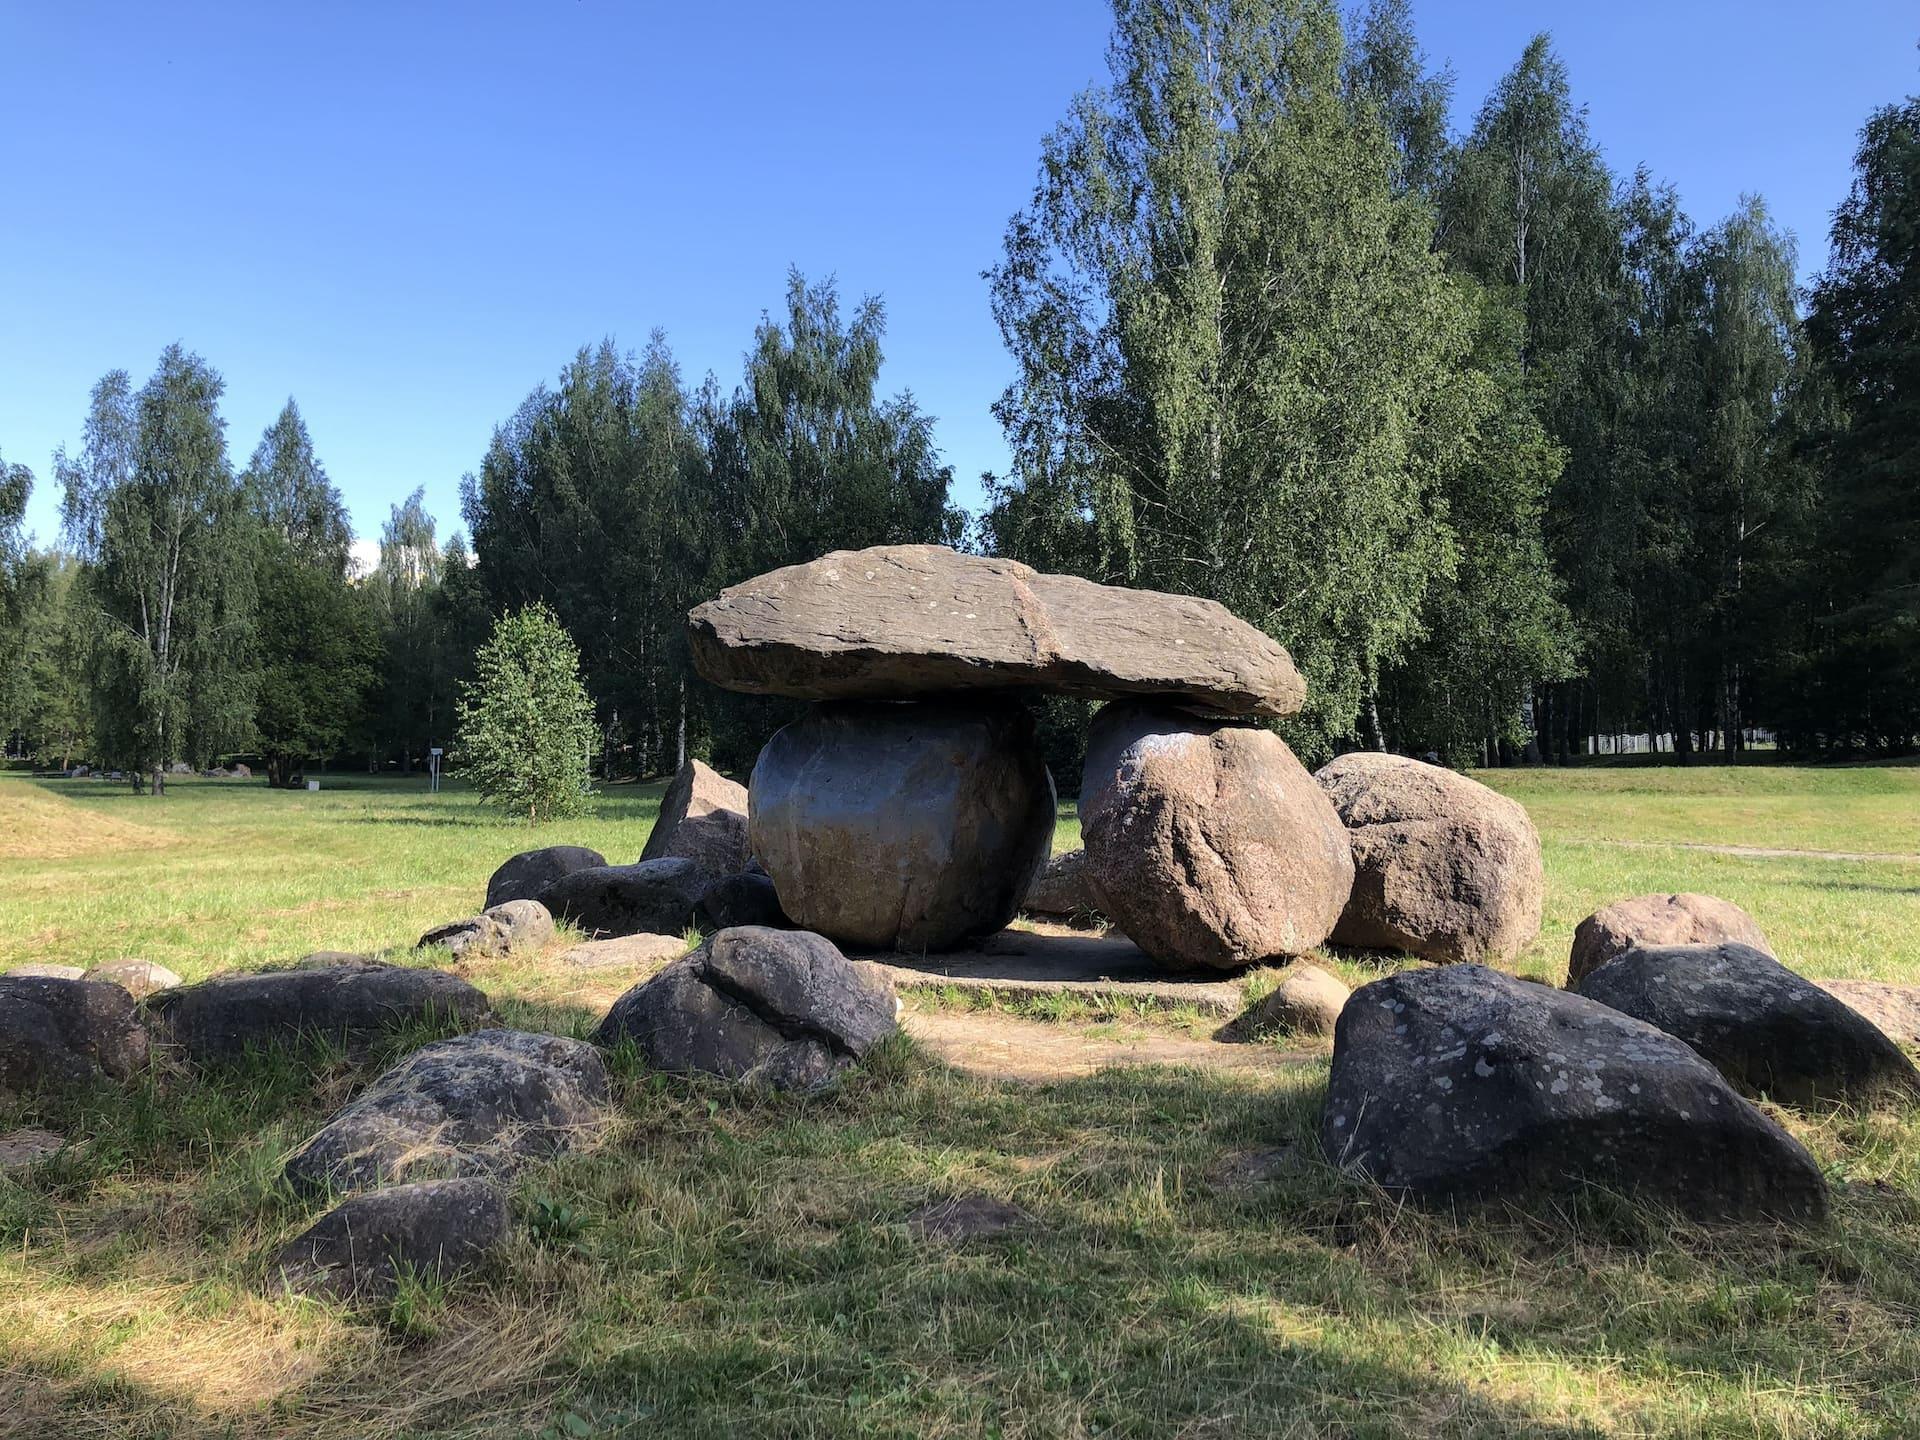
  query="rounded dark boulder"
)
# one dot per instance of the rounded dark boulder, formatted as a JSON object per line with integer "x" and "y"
{"x": 779, "y": 1008}
{"x": 59, "y": 1034}
{"x": 1769, "y": 1031}
{"x": 360, "y": 1248}
{"x": 341, "y": 1003}
{"x": 748, "y": 898}
{"x": 655, "y": 897}
{"x": 1465, "y": 1083}
{"x": 906, "y": 826}
{"x": 531, "y": 871}
{"x": 479, "y": 1104}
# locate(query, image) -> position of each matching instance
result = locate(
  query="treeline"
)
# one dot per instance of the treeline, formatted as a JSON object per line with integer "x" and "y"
{"x": 1514, "y": 456}
{"x": 200, "y": 612}
{"x": 1508, "y": 450}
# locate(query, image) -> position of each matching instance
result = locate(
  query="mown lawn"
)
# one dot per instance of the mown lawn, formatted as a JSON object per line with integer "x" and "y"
{"x": 732, "y": 1265}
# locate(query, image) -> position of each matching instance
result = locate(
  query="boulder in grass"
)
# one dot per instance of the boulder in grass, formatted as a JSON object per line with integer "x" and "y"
{"x": 1655, "y": 920}
{"x": 1895, "y": 1009}
{"x": 1463, "y": 1083}
{"x": 899, "y": 620}
{"x": 1769, "y": 1031}
{"x": 1207, "y": 842}
{"x": 1306, "y": 1000}
{"x": 1444, "y": 868}
{"x": 350, "y": 1004}
{"x": 528, "y": 873}
{"x": 903, "y": 827}
{"x": 778, "y": 1008}
{"x": 1060, "y": 889}
{"x": 61, "y": 1035}
{"x": 479, "y": 1104}
{"x": 748, "y": 898}
{"x": 654, "y": 897}
{"x": 360, "y": 1248}
{"x": 45, "y": 970}
{"x": 139, "y": 978}
{"x": 628, "y": 951}
{"x": 510, "y": 925}
{"x": 703, "y": 818}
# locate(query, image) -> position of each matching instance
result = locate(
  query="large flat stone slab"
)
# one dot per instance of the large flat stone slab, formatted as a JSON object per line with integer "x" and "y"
{"x": 1016, "y": 963}
{"x": 902, "y": 620}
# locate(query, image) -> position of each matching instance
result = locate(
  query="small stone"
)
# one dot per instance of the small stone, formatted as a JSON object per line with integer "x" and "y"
{"x": 1307, "y": 1000}
{"x": 966, "y": 1217}
{"x": 139, "y": 978}
{"x": 26, "y": 1147}
{"x": 643, "y": 949}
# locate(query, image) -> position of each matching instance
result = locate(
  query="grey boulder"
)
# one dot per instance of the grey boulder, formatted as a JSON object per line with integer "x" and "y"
{"x": 528, "y": 873}
{"x": 1060, "y": 889}
{"x": 1895, "y": 1009}
{"x": 139, "y": 978}
{"x": 1654, "y": 920}
{"x": 510, "y": 925}
{"x": 1463, "y": 1083}
{"x": 60, "y": 1035}
{"x": 777, "y": 1008}
{"x": 479, "y": 1104}
{"x": 1207, "y": 842}
{"x": 360, "y": 1248}
{"x": 654, "y": 897}
{"x": 1305, "y": 1000}
{"x": 703, "y": 818}
{"x": 341, "y": 1003}
{"x": 1769, "y": 1031}
{"x": 903, "y": 827}
{"x": 899, "y": 620}
{"x": 1444, "y": 868}
{"x": 748, "y": 898}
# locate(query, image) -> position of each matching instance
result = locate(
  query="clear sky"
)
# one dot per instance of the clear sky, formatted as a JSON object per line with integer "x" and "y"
{"x": 408, "y": 214}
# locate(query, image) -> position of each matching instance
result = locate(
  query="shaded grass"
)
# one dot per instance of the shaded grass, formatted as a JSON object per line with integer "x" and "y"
{"x": 738, "y": 1265}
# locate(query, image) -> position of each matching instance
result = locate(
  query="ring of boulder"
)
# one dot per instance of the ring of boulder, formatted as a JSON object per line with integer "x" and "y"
{"x": 1206, "y": 841}
{"x": 477, "y": 1104}
{"x": 1656, "y": 920}
{"x": 778, "y": 1008}
{"x": 525, "y": 875}
{"x": 655, "y": 897}
{"x": 703, "y": 818}
{"x": 899, "y": 620}
{"x": 905, "y": 826}
{"x": 1769, "y": 1031}
{"x": 346, "y": 1003}
{"x": 1463, "y": 1082}
{"x": 359, "y": 1249}
{"x": 58, "y": 1035}
{"x": 1444, "y": 868}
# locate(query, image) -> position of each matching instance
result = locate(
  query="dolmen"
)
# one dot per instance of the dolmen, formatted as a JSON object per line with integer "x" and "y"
{"x": 910, "y": 809}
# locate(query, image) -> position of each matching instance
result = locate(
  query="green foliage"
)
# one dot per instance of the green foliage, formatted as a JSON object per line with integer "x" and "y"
{"x": 289, "y": 491}
{"x": 526, "y": 724}
{"x": 1862, "y": 667}
{"x": 320, "y": 652}
{"x": 1242, "y": 367}
{"x": 153, "y": 509}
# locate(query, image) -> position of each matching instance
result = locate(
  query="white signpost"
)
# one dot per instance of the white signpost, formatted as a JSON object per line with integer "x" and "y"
{"x": 433, "y": 766}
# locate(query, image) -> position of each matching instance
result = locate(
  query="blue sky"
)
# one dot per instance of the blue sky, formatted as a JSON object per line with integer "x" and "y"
{"x": 407, "y": 215}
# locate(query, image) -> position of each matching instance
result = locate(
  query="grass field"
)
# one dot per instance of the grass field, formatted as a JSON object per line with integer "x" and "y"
{"x": 731, "y": 1265}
